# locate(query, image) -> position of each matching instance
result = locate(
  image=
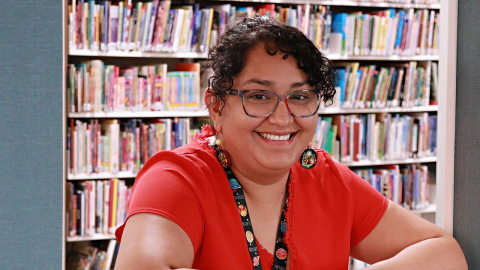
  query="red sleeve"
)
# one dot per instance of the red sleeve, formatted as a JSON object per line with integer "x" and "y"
{"x": 165, "y": 188}
{"x": 369, "y": 207}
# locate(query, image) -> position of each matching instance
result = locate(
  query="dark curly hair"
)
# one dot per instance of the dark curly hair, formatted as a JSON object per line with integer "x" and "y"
{"x": 228, "y": 56}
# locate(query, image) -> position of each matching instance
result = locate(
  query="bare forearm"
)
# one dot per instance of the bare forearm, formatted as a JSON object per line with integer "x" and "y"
{"x": 435, "y": 253}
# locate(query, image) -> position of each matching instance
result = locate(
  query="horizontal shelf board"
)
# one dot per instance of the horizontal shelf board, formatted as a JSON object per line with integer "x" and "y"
{"x": 343, "y": 3}
{"x": 391, "y": 162}
{"x": 383, "y": 58}
{"x": 204, "y": 113}
{"x": 335, "y": 57}
{"x": 327, "y": 110}
{"x": 95, "y": 176}
{"x": 382, "y": 4}
{"x": 432, "y": 208}
{"x": 74, "y": 52}
{"x": 98, "y": 176}
{"x": 90, "y": 238}
{"x": 141, "y": 114}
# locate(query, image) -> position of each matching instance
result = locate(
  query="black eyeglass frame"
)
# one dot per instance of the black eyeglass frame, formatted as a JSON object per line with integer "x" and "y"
{"x": 279, "y": 98}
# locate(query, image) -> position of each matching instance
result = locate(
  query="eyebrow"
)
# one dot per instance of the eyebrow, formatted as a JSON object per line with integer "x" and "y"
{"x": 268, "y": 83}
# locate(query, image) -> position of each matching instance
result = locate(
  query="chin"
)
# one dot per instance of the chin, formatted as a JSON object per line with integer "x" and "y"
{"x": 278, "y": 164}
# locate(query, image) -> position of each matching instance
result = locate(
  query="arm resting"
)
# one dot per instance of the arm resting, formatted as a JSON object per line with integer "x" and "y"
{"x": 152, "y": 241}
{"x": 402, "y": 240}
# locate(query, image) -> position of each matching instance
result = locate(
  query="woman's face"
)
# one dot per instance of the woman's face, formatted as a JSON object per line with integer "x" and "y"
{"x": 249, "y": 140}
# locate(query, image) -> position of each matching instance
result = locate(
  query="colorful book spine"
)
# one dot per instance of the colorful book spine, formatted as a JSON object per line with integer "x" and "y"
{"x": 112, "y": 145}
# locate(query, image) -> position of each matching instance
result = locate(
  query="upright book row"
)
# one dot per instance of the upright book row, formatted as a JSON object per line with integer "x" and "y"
{"x": 112, "y": 146}
{"x": 96, "y": 207}
{"x": 160, "y": 26}
{"x": 154, "y": 26}
{"x": 96, "y": 87}
{"x": 394, "y": 85}
{"x": 407, "y": 185}
{"x": 377, "y": 137}
{"x": 387, "y": 32}
{"x": 92, "y": 256}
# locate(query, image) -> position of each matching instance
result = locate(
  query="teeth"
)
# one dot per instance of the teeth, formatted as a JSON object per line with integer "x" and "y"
{"x": 275, "y": 137}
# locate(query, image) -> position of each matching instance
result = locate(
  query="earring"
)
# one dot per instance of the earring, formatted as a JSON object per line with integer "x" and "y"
{"x": 308, "y": 159}
{"x": 222, "y": 155}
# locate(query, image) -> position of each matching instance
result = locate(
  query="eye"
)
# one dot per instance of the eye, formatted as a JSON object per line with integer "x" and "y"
{"x": 302, "y": 95}
{"x": 258, "y": 95}
{"x": 299, "y": 96}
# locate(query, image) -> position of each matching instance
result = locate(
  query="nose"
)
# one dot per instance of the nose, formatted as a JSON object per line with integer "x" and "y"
{"x": 281, "y": 116}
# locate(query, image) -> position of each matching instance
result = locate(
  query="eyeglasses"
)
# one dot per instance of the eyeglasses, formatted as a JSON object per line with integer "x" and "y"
{"x": 262, "y": 103}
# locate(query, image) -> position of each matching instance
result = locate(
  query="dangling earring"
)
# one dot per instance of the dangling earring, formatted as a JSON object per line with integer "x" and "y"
{"x": 222, "y": 155}
{"x": 308, "y": 159}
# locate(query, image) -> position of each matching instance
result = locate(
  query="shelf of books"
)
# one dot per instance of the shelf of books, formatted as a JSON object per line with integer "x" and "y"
{"x": 382, "y": 123}
{"x": 177, "y": 31}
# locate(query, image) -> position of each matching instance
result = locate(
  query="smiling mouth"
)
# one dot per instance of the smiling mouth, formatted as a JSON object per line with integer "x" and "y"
{"x": 272, "y": 137}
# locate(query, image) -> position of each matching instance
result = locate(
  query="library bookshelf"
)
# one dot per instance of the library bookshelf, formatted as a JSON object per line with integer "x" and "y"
{"x": 441, "y": 209}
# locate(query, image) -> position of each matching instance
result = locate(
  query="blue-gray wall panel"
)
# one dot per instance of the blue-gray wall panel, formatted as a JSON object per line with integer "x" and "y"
{"x": 466, "y": 221}
{"x": 31, "y": 192}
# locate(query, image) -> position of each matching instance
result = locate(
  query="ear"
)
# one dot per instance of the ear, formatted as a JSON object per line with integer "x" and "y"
{"x": 214, "y": 106}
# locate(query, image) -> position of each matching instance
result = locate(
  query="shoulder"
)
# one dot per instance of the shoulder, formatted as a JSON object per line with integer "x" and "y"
{"x": 188, "y": 162}
{"x": 190, "y": 168}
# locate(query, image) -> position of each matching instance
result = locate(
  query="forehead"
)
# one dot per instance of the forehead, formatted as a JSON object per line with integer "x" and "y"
{"x": 259, "y": 64}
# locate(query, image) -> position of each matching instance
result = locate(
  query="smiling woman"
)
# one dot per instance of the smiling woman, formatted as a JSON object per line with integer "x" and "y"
{"x": 260, "y": 198}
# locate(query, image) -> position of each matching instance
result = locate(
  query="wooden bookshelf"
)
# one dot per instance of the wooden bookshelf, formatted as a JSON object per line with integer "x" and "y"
{"x": 443, "y": 206}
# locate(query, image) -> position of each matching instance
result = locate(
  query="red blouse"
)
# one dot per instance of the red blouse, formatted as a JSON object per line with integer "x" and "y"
{"x": 330, "y": 209}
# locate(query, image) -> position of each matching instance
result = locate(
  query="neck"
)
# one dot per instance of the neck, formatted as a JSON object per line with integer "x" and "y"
{"x": 262, "y": 192}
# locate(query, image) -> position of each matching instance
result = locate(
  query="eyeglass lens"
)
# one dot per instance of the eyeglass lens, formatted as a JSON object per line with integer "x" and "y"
{"x": 262, "y": 103}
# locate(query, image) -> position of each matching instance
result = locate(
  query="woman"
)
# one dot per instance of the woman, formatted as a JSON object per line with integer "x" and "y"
{"x": 274, "y": 203}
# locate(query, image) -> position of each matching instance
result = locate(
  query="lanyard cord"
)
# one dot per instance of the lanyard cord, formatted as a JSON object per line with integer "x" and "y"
{"x": 281, "y": 251}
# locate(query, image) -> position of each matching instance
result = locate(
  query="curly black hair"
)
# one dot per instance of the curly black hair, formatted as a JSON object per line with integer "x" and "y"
{"x": 228, "y": 56}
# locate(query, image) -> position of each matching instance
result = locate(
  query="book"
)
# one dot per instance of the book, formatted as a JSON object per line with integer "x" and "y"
{"x": 110, "y": 252}
{"x": 339, "y": 25}
{"x": 112, "y": 145}
{"x": 81, "y": 256}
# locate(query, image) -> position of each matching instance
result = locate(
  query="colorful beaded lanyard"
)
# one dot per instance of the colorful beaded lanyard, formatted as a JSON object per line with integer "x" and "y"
{"x": 281, "y": 251}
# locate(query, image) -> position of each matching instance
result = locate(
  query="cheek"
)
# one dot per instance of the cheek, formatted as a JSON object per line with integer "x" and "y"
{"x": 309, "y": 124}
